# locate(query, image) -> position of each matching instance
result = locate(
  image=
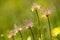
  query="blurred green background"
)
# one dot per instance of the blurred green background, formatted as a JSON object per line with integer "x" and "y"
{"x": 16, "y": 11}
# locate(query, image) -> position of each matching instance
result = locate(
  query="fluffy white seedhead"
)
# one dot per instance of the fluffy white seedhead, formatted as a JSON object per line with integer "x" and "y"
{"x": 17, "y": 29}
{"x": 28, "y": 23}
{"x": 35, "y": 7}
{"x": 46, "y": 12}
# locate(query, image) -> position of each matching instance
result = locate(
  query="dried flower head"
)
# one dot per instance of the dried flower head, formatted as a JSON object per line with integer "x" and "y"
{"x": 17, "y": 28}
{"x": 35, "y": 7}
{"x": 46, "y": 12}
{"x": 56, "y": 31}
{"x": 11, "y": 33}
{"x": 28, "y": 23}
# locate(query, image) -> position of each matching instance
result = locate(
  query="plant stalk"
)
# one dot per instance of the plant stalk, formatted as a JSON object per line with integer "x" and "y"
{"x": 21, "y": 35}
{"x": 13, "y": 38}
{"x": 32, "y": 33}
{"x": 49, "y": 27}
{"x": 38, "y": 23}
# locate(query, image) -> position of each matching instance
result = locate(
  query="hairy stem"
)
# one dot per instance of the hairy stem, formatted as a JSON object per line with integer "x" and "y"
{"x": 49, "y": 27}
{"x": 38, "y": 17}
{"x": 38, "y": 23}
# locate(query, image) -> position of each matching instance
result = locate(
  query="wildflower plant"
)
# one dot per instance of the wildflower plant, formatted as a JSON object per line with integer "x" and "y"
{"x": 12, "y": 33}
{"x": 18, "y": 29}
{"x": 28, "y": 25}
{"x": 35, "y": 8}
{"x": 46, "y": 13}
{"x": 19, "y": 16}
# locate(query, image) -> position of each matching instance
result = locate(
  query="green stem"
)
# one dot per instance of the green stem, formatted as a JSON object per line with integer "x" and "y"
{"x": 32, "y": 33}
{"x": 38, "y": 23}
{"x": 13, "y": 38}
{"x": 38, "y": 17}
{"x": 21, "y": 35}
{"x": 49, "y": 27}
